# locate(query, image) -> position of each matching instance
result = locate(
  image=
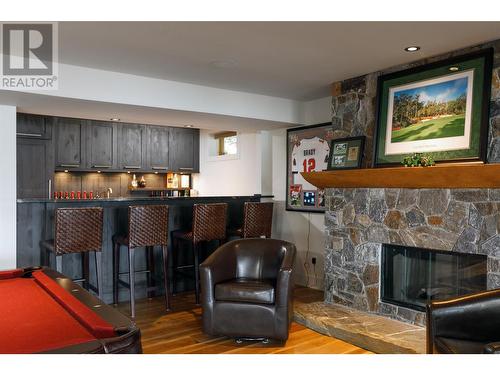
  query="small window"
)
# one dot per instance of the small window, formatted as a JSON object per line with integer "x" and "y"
{"x": 227, "y": 143}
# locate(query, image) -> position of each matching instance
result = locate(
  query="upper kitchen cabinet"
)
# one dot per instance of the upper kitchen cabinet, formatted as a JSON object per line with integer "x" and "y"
{"x": 184, "y": 150}
{"x": 101, "y": 145}
{"x": 35, "y": 167}
{"x": 33, "y": 126}
{"x": 158, "y": 148}
{"x": 69, "y": 143}
{"x": 131, "y": 147}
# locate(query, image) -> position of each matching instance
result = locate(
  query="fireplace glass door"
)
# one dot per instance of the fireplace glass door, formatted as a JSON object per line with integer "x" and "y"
{"x": 411, "y": 276}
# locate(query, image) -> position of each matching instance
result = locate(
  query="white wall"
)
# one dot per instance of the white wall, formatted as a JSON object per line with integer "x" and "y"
{"x": 8, "y": 187}
{"x": 317, "y": 111}
{"x": 240, "y": 176}
{"x": 306, "y": 230}
{"x": 266, "y": 163}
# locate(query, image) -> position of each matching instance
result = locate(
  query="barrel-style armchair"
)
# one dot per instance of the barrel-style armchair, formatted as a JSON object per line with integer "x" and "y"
{"x": 468, "y": 324}
{"x": 247, "y": 288}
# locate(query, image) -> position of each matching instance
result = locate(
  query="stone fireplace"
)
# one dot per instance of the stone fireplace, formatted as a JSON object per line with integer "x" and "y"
{"x": 359, "y": 220}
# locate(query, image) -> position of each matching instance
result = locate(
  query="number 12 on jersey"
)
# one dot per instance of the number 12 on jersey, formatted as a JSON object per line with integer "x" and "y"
{"x": 309, "y": 164}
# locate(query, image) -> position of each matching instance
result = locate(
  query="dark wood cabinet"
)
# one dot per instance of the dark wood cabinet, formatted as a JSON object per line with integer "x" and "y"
{"x": 131, "y": 147}
{"x": 33, "y": 126}
{"x": 69, "y": 143}
{"x": 35, "y": 167}
{"x": 184, "y": 150}
{"x": 101, "y": 145}
{"x": 86, "y": 145}
{"x": 158, "y": 148}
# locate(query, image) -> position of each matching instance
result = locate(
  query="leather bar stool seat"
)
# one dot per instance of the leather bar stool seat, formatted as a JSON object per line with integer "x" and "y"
{"x": 183, "y": 235}
{"x": 209, "y": 224}
{"x": 147, "y": 228}
{"x": 257, "y": 221}
{"x": 77, "y": 231}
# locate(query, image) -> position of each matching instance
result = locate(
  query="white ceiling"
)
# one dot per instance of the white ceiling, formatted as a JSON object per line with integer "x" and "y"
{"x": 296, "y": 60}
{"x": 94, "y": 110}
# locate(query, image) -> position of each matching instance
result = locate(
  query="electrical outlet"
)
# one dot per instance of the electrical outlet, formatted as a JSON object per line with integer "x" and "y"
{"x": 313, "y": 260}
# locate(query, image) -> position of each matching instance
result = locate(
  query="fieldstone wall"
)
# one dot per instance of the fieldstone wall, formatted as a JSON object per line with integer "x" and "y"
{"x": 354, "y": 103}
{"x": 358, "y": 221}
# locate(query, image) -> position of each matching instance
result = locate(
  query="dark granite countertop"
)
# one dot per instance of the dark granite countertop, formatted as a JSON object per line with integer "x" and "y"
{"x": 136, "y": 199}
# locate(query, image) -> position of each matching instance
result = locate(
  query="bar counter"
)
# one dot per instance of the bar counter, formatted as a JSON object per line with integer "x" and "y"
{"x": 35, "y": 222}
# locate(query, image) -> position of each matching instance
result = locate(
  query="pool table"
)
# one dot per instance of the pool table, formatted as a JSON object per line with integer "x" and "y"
{"x": 43, "y": 311}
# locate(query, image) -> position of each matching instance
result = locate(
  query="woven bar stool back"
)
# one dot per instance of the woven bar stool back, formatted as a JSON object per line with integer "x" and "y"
{"x": 148, "y": 226}
{"x": 78, "y": 230}
{"x": 209, "y": 222}
{"x": 258, "y": 219}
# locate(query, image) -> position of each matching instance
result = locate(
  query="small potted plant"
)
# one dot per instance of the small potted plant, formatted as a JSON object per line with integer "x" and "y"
{"x": 418, "y": 160}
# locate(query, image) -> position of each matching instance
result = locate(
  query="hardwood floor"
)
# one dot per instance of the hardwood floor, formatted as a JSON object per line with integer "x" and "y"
{"x": 179, "y": 331}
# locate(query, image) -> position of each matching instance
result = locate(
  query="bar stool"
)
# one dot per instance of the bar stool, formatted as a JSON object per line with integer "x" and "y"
{"x": 147, "y": 227}
{"x": 209, "y": 223}
{"x": 78, "y": 230}
{"x": 257, "y": 221}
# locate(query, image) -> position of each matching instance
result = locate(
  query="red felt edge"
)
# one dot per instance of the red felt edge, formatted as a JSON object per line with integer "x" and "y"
{"x": 88, "y": 318}
{"x": 10, "y": 274}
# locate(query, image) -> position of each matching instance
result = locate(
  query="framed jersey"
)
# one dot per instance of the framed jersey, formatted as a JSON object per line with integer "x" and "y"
{"x": 308, "y": 150}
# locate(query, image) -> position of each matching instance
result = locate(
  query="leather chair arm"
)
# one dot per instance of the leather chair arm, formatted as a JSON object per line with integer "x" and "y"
{"x": 473, "y": 317}
{"x": 284, "y": 282}
{"x": 492, "y": 348}
{"x": 288, "y": 259}
{"x": 465, "y": 300}
{"x": 218, "y": 267}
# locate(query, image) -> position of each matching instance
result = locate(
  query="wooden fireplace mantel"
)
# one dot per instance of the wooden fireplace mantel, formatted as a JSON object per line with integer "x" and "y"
{"x": 450, "y": 176}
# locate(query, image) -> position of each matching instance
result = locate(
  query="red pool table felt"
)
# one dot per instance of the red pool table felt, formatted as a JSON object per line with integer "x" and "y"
{"x": 37, "y": 315}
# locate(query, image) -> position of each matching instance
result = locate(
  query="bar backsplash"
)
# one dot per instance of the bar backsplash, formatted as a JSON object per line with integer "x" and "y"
{"x": 99, "y": 182}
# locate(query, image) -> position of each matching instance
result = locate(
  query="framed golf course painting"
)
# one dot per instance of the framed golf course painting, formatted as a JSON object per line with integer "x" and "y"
{"x": 440, "y": 109}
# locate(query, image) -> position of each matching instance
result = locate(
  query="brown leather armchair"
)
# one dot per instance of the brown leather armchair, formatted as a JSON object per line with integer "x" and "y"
{"x": 247, "y": 289}
{"x": 467, "y": 325}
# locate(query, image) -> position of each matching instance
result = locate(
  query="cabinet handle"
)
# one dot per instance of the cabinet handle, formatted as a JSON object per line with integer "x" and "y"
{"x": 69, "y": 165}
{"x": 160, "y": 168}
{"x": 50, "y": 188}
{"x": 186, "y": 169}
{"x": 34, "y": 135}
{"x": 101, "y": 166}
{"x": 131, "y": 167}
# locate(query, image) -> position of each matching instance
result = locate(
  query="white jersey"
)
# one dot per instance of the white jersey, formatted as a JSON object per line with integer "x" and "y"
{"x": 311, "y": 154}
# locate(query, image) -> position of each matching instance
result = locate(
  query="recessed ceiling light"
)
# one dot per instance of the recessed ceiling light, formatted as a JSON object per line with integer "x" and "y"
{"x": 114, "y": 119}
{"x": 412, "y": 49}
{"x": 453, "y": 68}
{"x": 188, "y": 126}
{"x": 224, "y": 64}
